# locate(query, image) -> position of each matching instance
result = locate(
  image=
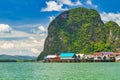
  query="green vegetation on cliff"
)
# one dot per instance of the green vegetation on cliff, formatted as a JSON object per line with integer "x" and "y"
{"x": 81, "y": 30}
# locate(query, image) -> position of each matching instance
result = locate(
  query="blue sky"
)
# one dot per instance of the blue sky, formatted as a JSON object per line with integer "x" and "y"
{"x": 24, "y": 23}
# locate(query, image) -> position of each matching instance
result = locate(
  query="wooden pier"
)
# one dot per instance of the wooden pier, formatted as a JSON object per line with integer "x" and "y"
{"x": 76, "y": 60}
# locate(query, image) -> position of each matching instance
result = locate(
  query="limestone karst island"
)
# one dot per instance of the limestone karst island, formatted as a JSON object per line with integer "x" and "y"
{"x": 80, "y": 35}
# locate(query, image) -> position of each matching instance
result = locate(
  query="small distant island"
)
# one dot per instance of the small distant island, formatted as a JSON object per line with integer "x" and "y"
{"x": 81, "y": 30}
{"x": 17, "y": 58}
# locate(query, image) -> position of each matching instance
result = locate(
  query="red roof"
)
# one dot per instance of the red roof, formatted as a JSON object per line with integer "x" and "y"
{"x": 116, "y": 53}
{"x": 97, "y": 54}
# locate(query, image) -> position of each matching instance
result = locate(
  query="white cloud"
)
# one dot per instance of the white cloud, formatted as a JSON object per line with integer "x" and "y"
{"x": 32, "y": 29}
{"x": 15, "y": 33}
{"x": 7, "y": 45}
{"x": 58, "y": 5}
{"x": 110, "y": 17}
{"x": 53, "y": 6}
{"x": 28, "y": 26}
{"x": 70, "y": 3}
{"x": 34, "y": 50}
{"x": 89, "y": 2}
{"x": 42, "y": 28}
{"x": 31, "y": 47}
{"x": 7, "y": 31}
{"x": 51, "y": 18}
{"x": 22, "y": 43}
{"x": 78, "y": 3}
{"x": 32, "y": 38}
{"x": 66, "y": 2}
{"x": 5, "y": 28}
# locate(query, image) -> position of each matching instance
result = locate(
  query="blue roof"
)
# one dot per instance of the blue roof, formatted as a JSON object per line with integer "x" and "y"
{"x": 67, "y": 54}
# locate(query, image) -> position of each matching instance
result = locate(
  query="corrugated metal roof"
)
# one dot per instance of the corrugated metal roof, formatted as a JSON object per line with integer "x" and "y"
{"x": 67, "y": 55}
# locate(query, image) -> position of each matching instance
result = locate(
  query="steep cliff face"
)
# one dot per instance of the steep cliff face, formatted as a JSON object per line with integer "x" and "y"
{"x": 80, "y": 30}
{"x": 112, "y": 34}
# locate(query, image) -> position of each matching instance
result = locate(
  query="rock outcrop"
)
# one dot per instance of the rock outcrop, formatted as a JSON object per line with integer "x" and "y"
{"x": 81, "y": 30}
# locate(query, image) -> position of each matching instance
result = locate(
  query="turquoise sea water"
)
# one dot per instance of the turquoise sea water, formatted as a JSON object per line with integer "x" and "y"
{"x": 59, "y": 71}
